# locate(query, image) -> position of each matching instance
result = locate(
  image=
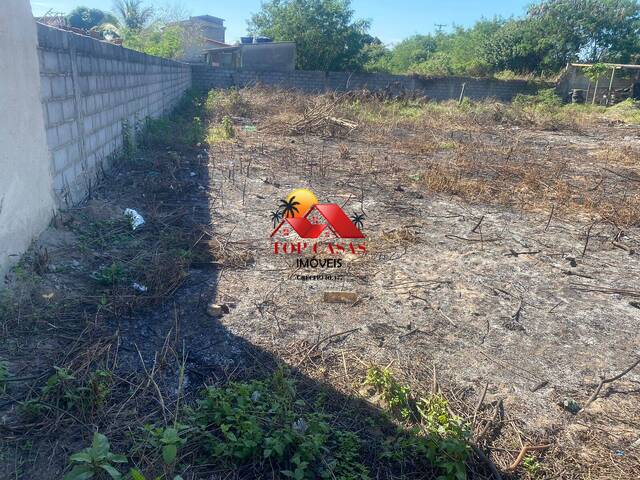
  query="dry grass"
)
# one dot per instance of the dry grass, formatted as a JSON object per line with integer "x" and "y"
{"x": 476, "y": 151}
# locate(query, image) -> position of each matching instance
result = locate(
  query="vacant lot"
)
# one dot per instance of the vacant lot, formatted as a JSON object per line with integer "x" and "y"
{"x": 502, "y": 271}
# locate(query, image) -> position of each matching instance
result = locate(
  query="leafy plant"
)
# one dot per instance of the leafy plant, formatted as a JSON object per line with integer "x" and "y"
{"x": 545, "y": 98}
{"x": 396, "y": 396}
{"x": 32, "y": 409}
{"x": 531, "y": 465}
{"x": 98, "y": 458}
{"x": 222, "y": 132}
{"x": 128, "y": 140}
{"x": 138, "y": 475}
{"x": 263, "y": 420}
{"x": 447, "y": 435}
{"x": 168, "y": 439}
{"x": 60, "y": 389}
{"x": 346, "y": 464}
{"x": 435, "y": 434}
{"x": 109, "y": 276}
{"x": 226, "y": 103}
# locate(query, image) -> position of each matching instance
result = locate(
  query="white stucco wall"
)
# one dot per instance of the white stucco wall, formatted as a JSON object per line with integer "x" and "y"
{"x": 26, "y": 196}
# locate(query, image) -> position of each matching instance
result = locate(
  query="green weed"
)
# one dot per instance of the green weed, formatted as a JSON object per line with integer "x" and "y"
{"x": 168, "y": 440}
{"x": 138, "y": 475}
{"x": 265, "y": 421}
{"x": 94, "y": 460}
{"x": 111, "y": 275}
{"x": 531, "y": 465}
{"x": 396, "y": 396}
{"x": 64, "y": 391}
{"x": 226, "y": 103}
{"x": 222, "y": 132}
{"x": 434, "y": 435}
{"x": 128, "y": 140}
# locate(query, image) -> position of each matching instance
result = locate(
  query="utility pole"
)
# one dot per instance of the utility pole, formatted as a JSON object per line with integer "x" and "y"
{"x": 439, "y": 27}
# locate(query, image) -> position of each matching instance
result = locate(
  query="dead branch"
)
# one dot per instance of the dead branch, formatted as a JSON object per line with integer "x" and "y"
{"x": 523, "y": 452}
{"x": 473, "y": 230}
{"x": 605, "y": 381}
{"x": 608, "y": 290}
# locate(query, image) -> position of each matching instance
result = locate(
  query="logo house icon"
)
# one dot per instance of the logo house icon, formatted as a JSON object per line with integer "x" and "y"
{"x": 322, "y": 221}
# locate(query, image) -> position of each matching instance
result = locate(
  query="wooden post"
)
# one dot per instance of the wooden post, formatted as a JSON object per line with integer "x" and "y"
{"x": 464, "y": 84}
{"x": 595, "y": 91}
{"x": 586, "y": 96}
{"x": 613, "y": 74}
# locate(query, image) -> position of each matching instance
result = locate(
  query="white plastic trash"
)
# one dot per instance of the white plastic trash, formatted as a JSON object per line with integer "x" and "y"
{"x": 134, "y": 217}
{"x": 140, "y": 288}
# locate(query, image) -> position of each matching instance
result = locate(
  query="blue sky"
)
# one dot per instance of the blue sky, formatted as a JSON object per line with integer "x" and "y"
{"x": 391, "y": 20}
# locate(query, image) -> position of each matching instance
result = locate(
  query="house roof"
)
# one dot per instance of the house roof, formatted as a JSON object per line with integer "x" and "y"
{"x": 218, "y": 42}
{"x": 209, "y": 18}
{"x": 610, "y": 65}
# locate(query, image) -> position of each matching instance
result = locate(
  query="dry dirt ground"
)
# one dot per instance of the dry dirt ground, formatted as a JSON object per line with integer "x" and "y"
{"x": 503, "y": 262}
{"x": 483, "y": 294}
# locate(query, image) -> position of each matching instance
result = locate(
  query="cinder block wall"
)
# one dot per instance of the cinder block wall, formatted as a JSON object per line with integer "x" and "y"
{"x": 313, "y": 81}
{"x": 89, "y": 88}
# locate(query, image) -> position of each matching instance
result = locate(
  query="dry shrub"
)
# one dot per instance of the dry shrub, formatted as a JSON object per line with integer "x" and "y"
{"x": 453, "y": 180}
{"x": 625, "y": 155}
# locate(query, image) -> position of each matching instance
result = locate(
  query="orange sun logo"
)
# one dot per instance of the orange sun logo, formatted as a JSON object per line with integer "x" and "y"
{"x": 297, "y": 203}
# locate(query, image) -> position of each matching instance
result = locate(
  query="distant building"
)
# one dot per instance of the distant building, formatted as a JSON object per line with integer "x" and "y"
{"x": 201, "y": 33}
{"x": 264, "y": 55}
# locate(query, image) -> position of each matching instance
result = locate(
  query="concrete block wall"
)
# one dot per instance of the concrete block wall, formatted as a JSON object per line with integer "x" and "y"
{"x": 445, "y": 88}
{"x": 89, "y": 89}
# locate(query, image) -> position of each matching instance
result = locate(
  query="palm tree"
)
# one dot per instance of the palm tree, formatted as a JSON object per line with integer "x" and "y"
{"x": 289, "y": 207}
{"x": 134, "y": 16}
{"x": 357, "y": 219}
{"x": 276, "y": 217}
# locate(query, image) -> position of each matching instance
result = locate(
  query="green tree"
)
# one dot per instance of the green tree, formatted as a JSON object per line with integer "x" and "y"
{"x": 326, "y": 35}
{"x": 133, "y": 14}
{"x": 412, "y": 50}
{"x": 158, "y": 39}
{"x": 88, "y": 18}
{"x": 587, "y": 30}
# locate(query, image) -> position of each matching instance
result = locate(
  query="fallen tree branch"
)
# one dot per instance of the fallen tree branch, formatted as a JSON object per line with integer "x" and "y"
{"x": 523, "y": 452}
{"x": 604, "y": 381}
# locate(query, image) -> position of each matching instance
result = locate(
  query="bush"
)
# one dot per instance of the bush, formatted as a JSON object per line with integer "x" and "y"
{"x": 220, "y": 103}
{"x": 546, "y": 98}
{"x": 264, "y": 420}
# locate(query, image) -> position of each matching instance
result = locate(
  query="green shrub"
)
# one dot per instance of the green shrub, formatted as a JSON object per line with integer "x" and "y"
{"x": 222, "y": 132}
{"x": 435, "y": 435}
{"x": 546, "y": 98}
{"x": 226, "y": 102}
{"x": 395, "y": 395}
{"x": 93, "y": 461}
{"x": 264, "y": 420}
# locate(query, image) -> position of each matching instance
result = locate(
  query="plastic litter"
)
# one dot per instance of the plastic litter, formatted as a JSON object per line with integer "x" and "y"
{"x": 250, "y": 128}
{"x": 139, "y": 287}
{"x": 134, "y": 217}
